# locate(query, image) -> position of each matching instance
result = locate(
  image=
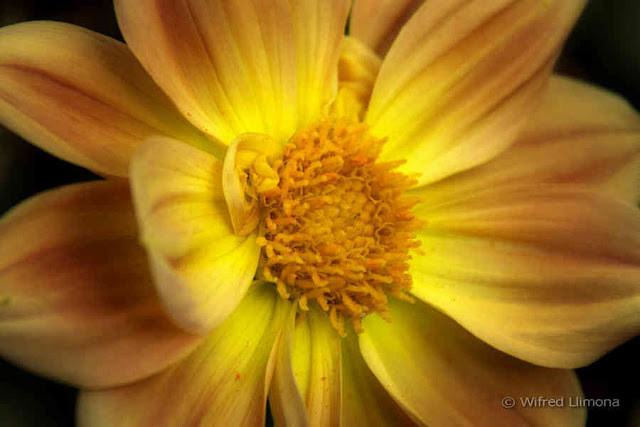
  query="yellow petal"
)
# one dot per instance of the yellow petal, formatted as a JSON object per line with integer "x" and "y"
{"x": 77, "y": 301}
{"x": 223, "y": 383}
{"x": 235, "y": 67}
{"x": 378, "y": 22}
{"x": 444, "y": 376}
{"x": 364, "y": 400}
{"x": 311, "y": 373}
{"x": 202, "y": 269}
{"x": 461, "y": 79}
{"x": 82, "y": 96}
{"x": 319, "y": 28}
{"x": 247, "y": 167}
{"x": 287, "y": 405}
{"x": 358, "y": 68}
{"x": 549, "y": 274}
{"x": 580, "y": 135}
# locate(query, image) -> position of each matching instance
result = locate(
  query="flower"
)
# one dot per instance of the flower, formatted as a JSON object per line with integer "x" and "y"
{"x": 291, "y": 185}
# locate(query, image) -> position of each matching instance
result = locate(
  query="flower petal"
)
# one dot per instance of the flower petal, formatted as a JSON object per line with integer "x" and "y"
{"x": 358, "y": 68}
{"x": 234, "y": 67}
{"x": 287, "y": 404}
{"x": 378, "y": 22}
{"x": 82, "y": 96}
{"x": 77, "y": 301}
{"x": 549, "y": 274}
{"x": 224, "y": 382}
{"x": 442, "y": 375}
{"x": 364, "y": 400}
{"x": 319, "y": 29}
{"x": 312, "y": 372}
{"x": 202, "y": 269}
{"x": 580, "y": 135}
{"x": 461, "y": 79}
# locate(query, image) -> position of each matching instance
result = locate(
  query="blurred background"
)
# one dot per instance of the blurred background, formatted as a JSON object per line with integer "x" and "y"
{"x": 604, "y": 49}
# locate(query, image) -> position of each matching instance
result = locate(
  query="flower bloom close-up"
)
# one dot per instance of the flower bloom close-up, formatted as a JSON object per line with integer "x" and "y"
{"x": 363, "y": 213}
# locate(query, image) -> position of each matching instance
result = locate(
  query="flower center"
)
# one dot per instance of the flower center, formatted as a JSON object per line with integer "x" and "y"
{"x": 336, "y": 230}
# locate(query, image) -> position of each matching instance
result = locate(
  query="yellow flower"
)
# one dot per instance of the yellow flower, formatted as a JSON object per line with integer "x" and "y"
{"x": 338, "y": 222}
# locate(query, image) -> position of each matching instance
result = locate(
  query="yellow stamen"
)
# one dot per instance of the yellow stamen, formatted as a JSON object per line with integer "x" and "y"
{"x": 336, "y": 229}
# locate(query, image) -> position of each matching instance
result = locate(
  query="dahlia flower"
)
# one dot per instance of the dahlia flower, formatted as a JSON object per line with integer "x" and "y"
{"x": 405, "y": 225}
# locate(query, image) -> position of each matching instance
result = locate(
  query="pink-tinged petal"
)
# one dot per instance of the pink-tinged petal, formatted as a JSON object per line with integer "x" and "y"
{"x": 234, "y": 67}
{"x": 364, "y": 400}
{"x": 78, "y": 304}
{"x": 549, "y": 274}
{"x": 443, "y": 376}
{"x": 311, "y": 372}
{"x": 82, "y": 96}
{"x": 378, "y": 22}
{"x": 462, "y": 78}
{"x": 202, "y": 269}
{"x": 222, "y": 383}
{"x": 580, "y": 135}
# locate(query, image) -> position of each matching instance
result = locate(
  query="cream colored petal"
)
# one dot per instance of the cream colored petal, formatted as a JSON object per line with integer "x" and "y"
{"x": 549, "y": 274}
{"x": 364, "y": 401}
{"x": 201, "y": 268}
{"x": 311, "y": 372}
{"x": 223, "y": 383}
{"x": 378, "y": 22}
{"x": 580, "y": 135}
{"x": 444, "y": 376}
{"x": 82, "y": 96}
{"x": 77, "y": 303}
{"x": 462, "y": 78}
{"x": 234, "y": 67}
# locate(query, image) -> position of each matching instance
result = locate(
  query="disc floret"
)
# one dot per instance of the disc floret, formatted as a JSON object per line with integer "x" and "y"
{"x": 337, "y": 230}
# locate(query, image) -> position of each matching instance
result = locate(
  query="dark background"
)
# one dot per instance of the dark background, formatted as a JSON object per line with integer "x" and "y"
{"x": 604, "y": 49}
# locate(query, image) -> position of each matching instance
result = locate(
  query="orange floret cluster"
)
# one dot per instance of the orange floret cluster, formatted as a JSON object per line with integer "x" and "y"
{"x": 338, "y": 229}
